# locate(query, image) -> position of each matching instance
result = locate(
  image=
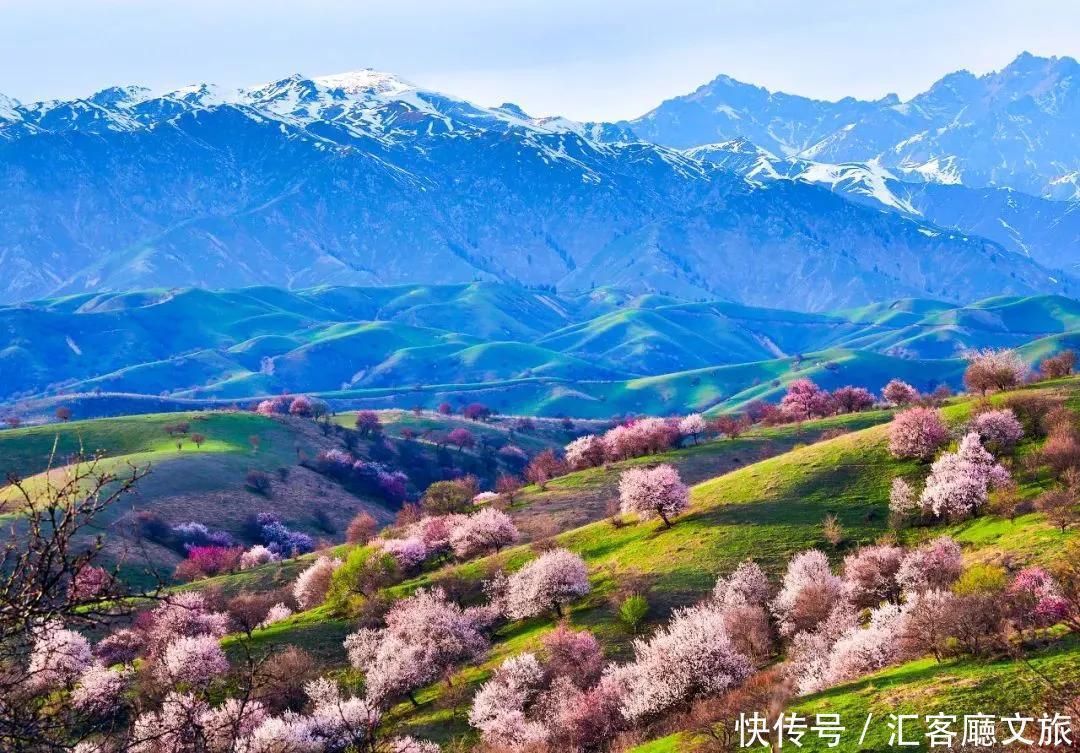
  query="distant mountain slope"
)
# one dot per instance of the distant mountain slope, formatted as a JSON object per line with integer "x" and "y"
{"x": 1044, "y": 230}
{"x": 425, "y": 344}
{"x": 363, "y": 179}
{"x": 1017, "y": 127}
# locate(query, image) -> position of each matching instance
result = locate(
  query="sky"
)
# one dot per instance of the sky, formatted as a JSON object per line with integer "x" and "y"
{"x": 584, "y": 59}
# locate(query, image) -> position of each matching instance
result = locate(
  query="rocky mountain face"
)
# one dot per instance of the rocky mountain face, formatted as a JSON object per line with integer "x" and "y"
{"x": 363, "y": 179}
{"x": 1017, "y": 127}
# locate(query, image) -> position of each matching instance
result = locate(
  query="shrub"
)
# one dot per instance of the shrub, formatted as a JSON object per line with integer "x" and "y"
{"x": 544, "y": 467}
{"x": 258, "y": 482}
{"x": 632, "y": 611}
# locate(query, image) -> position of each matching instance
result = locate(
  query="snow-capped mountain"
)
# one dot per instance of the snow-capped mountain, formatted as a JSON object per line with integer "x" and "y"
{"x": 1017, "y": 128}
{"x": 362, "y": 178}
{"x": 1044, "y": 230}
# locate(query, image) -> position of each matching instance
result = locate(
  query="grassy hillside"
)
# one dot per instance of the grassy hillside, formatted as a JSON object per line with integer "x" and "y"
{"x": 766, "y": 511}
{"x": 528, "y": 351}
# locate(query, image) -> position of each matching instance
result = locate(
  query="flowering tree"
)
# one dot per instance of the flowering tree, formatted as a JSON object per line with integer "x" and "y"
{"x": 257, "y": 555}
{"x": 747, "y": 585}
{"x": 183, "y": 614}
{"x": 870, "y": 575}
{"x": 807, "y": 593}
{"x": 849, "y": 399}
{"x": 645, "y": 436}
{"x": 499, "y": 707}
{"x": 994, "y": 370}
{"x": 805, "y": 400}
{"x": 1036, "y": 599}
{"x": 361, "y": 528}
{"x": 585, "y": 452}
{"x": 544, "y": 467}
{"x": 960, "y": 481}
{"x": 902, "y": 500}
{"x": 313, "y": 583}
{"x": 192, "y": 660}
{"x": 999, "y": 429}
{"x": 898, "y": 393}
{"x": 653, "y": 491}
{"x": 461, "y": 438}
{"x": 917, "y": 433}
{"x": 301, "y": 406}
{"x": 693, "y": 425}
{"x": 861, "y": 650}
{"x": 1058, "y": 366}
{"x": 425, "y": 636}
{"x": 549, "y": 582}
{"x": 573, "y": 654}
{"x": 367, "y": 422}
{"x": 409, "y": 553}
{"x": 99, "y": 690}
{"x": 936, "y": 564}
{"x": 483, "y": 531}
{"x": 58, "y": 657}
{"x": 691, "y": 657}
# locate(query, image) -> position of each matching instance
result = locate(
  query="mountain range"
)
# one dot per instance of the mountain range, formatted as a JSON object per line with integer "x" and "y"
{"x": 731, "y": 193}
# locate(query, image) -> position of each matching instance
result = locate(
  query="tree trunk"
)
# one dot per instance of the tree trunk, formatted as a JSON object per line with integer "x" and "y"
{"x": 667, "y": 523}
{"x": 415, "y": 703}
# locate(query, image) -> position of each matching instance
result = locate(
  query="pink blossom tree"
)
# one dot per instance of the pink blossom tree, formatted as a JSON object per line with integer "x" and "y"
{"x": 899, "y": 393}
{"x": 551, "y": 581}
{"x": 917, "y": 433}
{"x": 861, "y": 650}
{"x": 313, "y": 583}
{"x": 425, "y": 636}
{"x": 807, "y": 593}
{"x": 999, "y": 429}
{"x": 499, "y": 707}
{"x": 805, "y": 400}
{"x": 486, "y": 530}
{"x": 573, "y": 654}
{"x": 960, "y": 481}
{"x": 99, "y": 690}
{"x": 693, "y": 425}
{"x": 653, "y": 491}
{"x": 849, "y": 399}
{"x": 903, "y": 502}
{"x": 747, "y": 585}
{"x": 692, "y": 657}
{"x": 585, "y": 452}
{"x": 192, "y": 660}
{"x": 935, "y": 564}
{"x": 461, "y": 438}
{"x": 1036, "y": 599}
{"x": 409, "y": 553}
{"x": 870, "y": 575}
{"x": 257, "y": 555}
{"x": 58, "y": 657}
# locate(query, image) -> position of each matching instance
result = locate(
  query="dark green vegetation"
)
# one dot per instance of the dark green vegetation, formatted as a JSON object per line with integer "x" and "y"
{"x": 520, "y": 351}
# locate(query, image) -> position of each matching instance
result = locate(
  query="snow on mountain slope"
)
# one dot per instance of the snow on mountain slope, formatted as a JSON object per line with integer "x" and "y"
{"x": 364, "y": 179}
{"x": 1018, "y": 127}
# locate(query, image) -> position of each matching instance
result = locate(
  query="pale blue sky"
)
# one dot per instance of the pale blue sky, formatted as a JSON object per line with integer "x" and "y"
{"x": 583, "y": 59}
